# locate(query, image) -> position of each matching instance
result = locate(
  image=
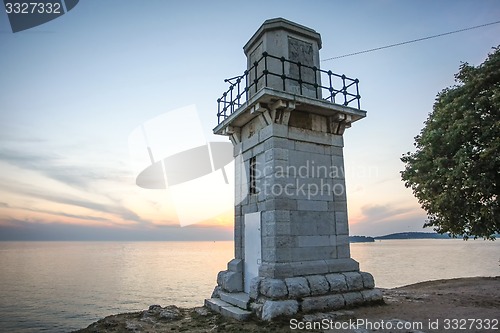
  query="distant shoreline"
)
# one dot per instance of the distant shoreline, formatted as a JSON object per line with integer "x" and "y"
{"x": 403, "y": 236}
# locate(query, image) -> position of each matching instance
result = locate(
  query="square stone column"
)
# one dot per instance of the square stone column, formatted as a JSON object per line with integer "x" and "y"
{"x": 291, "y": 222}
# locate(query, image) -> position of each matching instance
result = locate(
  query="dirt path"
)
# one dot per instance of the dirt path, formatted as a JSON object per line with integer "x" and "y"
{"x": 458, "y": 305}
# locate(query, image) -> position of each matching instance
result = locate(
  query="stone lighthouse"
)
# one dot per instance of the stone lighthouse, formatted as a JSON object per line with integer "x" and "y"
{"x": 286, "y": 117}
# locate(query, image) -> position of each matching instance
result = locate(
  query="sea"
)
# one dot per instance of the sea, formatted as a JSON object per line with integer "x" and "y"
{"x": 65, "y": 286}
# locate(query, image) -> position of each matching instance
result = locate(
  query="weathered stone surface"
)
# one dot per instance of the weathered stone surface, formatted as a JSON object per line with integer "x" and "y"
{"x": 318, "y": 284}
{"x": 133, "y": 327}
{"x": 320, "y": 303}
{"x": 337, "y": 283}
{"x": 235, "y": 265}
{"x": 354, "y": 281}
{"x": 235, "y": 313}
{"x": 253, "y": 292}
{"x": 220, "y": 277}
{"x": 257, "y": 309}
{"x": 372, "y": 295}
{"x": 273, "y": 288}
{"x": 202, "y": 311}
{"x": 215, "y": 293}
{"x": 342, "y": 265}
{"x": 273, "y": 309}
{"x": 169, "y": 313}
{"x": 237, "y": 299}
{"x": 297, "y": 287}
{"x": 215, "y": 304}
{"x": 368, "y": 282}
{"x": 156, "y": 312}
{"x": 232, "y": 281}
{"x": 353, "y": 298}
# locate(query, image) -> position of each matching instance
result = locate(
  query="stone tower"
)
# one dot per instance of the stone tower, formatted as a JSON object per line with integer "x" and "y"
{"x": 286, "y": 118}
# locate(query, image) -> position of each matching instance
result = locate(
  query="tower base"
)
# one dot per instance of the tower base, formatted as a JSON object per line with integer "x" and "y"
{"x": 269, "y": 298}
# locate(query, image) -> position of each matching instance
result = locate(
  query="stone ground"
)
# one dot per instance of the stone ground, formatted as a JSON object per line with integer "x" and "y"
{"x": 453, "y": 305}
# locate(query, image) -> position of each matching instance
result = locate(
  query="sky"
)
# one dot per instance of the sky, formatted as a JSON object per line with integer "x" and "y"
{"x": 74, "y": 93}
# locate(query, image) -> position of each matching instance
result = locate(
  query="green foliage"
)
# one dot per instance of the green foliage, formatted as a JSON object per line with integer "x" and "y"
{"x": 455, "y": 171}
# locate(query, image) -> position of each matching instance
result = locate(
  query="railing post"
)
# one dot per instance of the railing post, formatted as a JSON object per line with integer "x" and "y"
{"x": 225, "y": 104}
{"x": 246, "y": 84}
{"x": 357, "y": 93}
{"x": 332, "y": 95}
{"x": 344, "y": 89}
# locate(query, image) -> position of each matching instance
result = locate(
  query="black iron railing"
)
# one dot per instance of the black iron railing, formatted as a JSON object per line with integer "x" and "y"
{"x": 338, "y": 89}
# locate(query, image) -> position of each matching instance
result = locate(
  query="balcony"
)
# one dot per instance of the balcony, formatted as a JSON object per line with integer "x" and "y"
{"x": 280, "y": 74}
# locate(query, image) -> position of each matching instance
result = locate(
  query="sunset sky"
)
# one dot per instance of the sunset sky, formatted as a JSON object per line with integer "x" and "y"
{"x": 75, "y": 90}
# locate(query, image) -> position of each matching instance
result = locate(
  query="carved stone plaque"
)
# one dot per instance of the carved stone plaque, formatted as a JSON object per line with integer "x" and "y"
{"x": 302, "y": 52}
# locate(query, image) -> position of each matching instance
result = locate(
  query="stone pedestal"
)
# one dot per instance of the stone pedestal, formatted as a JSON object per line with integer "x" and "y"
{"x": 291, "y": 224}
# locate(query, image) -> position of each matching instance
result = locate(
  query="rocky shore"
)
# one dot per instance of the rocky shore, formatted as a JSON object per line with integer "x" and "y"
{"x": 457, "y": 305}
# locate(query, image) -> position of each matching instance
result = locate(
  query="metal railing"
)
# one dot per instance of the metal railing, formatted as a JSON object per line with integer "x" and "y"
{"x": 257, "y": 76}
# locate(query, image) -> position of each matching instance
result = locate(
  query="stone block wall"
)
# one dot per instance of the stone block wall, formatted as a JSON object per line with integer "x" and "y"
{"x": 270, "y": 298}
{"x": 300, "y": 183}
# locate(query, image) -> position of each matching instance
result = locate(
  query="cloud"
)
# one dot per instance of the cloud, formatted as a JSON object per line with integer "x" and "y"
{"x": 377, "y": 213}
{"x": 5, "y": 205}
{"x": 381, "y": 211}
{"x": 58, "y": 168}
{"x": 80, "y": 177}
{"x": 73, "y": 216}
{"x": 377, "y": 220}
{"x": 19, "y": 230}
{"x": 112, "y": 207}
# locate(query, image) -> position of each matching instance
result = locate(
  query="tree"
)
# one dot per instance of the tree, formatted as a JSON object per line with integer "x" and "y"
{"x": 455, "y": 171}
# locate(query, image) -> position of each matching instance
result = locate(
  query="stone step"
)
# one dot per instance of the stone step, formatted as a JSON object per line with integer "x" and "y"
{"x": 226, "y": 309}
{"x": 237, "y": 299}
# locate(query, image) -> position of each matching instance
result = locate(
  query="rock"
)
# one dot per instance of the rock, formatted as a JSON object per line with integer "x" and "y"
{"x": 318, "y": 284}
{"x": 337, "y": 283}
{"x": 353, "y": 298}
{"x": 202, "y": 311}
{"x": 152, "y": 311}
{"x": 235, "y": 265}
{"x": 133, "y": 326}
{"x": 232, "y": 281}
{"x": 156, "y": 312}
{"x": 368, "y": 282}
{"x": 154, "y": 308}
{"x": 273, "y": 288}
{"x": 354, "y": 281}
{"x": 320, "y": 303}
{"x": 257, "y": 309}
{"x": 215, "y": 293}
{"x": 372, "y": 295}
{"x": 297, "y": 287}
{"x": 253, "y": 291}
{"x": 273, "y": 309}
{"x": 220, "y": 277}
{"x": 170, "y": 313}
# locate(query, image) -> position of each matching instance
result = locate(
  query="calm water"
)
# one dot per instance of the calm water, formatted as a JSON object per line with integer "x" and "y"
{"x": 59, "y": 286}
